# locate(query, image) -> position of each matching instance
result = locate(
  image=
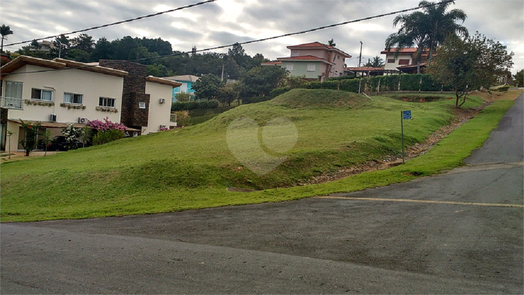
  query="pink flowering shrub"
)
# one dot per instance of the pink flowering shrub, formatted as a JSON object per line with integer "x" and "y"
{"x": 106, "y": 125}
{"x": 106, "y": 131}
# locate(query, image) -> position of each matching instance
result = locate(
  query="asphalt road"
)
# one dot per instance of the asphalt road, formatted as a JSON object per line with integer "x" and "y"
{"x": 460, "y": 232}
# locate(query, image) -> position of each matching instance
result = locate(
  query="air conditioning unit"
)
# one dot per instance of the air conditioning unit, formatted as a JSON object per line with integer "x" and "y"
{"x": 162, "y": 100}
{"x": 52, "y": 117}
{"x": 82, "y": 120}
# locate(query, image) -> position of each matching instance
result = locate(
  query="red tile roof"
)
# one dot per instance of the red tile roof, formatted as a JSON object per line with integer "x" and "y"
{"x": 312, "y": 44}
{"x": 271, "y": 63}
{"x": 363, "y": 69}
{"x": 304, "y": 58}
{"x": 402, "y": 50}
{"x": 318, "y": 45}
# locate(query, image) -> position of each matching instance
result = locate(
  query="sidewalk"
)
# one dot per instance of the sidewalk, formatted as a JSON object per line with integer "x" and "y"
{"x": 20, "y": 155}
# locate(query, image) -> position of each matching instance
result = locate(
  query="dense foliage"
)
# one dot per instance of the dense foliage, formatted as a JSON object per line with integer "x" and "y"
{"x": 157, "y": 54}
{"x": 469, "y": 64}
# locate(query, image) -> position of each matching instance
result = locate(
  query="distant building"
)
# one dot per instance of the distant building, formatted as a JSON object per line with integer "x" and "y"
{"x": 404, "y": 60}
{"x": 314, "y": 61}
{"x": 186, "y": 87}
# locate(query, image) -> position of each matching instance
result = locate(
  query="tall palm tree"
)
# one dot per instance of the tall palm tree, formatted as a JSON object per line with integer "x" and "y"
{"x": 428, "y": 28}
{"x": 442, "y": 23}
{"x": 4, "y": 31}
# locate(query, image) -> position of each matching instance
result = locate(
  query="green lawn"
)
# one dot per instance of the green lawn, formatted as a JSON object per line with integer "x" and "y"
{"x": 191, "y": 168}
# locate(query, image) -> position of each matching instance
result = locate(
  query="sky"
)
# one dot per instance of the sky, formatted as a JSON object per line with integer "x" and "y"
{"x": 225, "y": 22}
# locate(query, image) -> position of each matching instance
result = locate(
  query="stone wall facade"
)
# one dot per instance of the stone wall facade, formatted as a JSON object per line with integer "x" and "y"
{"x": 133, "y": 94}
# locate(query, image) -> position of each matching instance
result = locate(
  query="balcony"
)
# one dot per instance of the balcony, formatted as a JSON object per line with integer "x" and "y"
{"x": 11, "y": 103}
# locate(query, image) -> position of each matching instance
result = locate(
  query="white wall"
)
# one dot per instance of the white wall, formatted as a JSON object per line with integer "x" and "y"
{"x": 159, "y": 113}
{"x": 91, "y": 85}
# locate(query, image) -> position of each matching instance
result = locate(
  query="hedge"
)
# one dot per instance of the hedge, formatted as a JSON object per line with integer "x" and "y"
{"x": 193, "y": 105}
{"x": 405, "y": 82}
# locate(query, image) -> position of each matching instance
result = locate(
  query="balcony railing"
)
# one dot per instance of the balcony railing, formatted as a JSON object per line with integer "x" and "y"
{"x": 11, "y": 103}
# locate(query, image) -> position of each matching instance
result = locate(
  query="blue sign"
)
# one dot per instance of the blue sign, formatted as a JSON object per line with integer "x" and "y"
{"x": 406, "y": 115}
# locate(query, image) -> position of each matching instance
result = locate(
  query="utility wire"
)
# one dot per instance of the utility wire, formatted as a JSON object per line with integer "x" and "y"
{"x": 327, "y": 26}
{"x": 268, "y": 38}
{"x": 115, "y": 23}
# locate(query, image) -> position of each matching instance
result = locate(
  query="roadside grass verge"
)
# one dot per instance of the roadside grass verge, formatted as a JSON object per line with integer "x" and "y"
{"x": 191, "y": 168}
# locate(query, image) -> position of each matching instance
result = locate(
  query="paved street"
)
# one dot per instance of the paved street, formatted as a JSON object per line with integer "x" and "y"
{"x": 459, "y": 232}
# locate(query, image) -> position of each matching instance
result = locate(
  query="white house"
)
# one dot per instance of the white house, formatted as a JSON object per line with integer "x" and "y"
{"x": 59, "y": 92}
{"x": 404, "y": 59}
{"x": 314, "y": 60}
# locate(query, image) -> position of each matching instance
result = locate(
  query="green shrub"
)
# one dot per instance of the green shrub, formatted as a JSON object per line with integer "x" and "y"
{"x": 102, "y": 137}
{"x": 351, "y": 85}
{"x": 410, "y": 82}
{"x": 502, "y": 88}
{"x": 193, "y": 105}
{"x": 255, "y": 99}
{"x": 182, "y": 118}
{"x": 278, "y": 91}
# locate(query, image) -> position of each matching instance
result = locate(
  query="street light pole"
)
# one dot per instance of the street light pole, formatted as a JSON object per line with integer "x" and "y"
{"x": 360, "y": 55}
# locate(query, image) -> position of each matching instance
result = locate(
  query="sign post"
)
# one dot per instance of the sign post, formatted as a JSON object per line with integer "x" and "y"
{"x": 404, "y": 115}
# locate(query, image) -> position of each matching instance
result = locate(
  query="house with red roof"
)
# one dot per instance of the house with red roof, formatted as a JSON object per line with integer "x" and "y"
{"x": 314, "y": 61}
{"x": 404, "y": 59}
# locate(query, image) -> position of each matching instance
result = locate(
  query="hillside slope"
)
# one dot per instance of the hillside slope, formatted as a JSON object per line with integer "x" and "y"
{"x": 279, "y": 143}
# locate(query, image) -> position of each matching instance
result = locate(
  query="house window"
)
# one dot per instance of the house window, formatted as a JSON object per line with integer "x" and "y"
{"x": 289, "y": 67}
{"x": 311, "y": 67}
{"x": 391, "y": 60}
{"x": 73, "y": 98}
{"x": 13, "y": 95}
{"x": 141, "y": 105}
{"x": 46, "y": 95}
{"x": 294, "y": 53}
{"x": 106, "y": 102}
{"x": 403, "y": 61}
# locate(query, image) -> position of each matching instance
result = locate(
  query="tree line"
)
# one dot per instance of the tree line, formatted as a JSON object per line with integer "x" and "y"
{"x": 157, "y": 54}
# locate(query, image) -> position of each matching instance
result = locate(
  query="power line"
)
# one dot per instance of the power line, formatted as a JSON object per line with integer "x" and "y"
{"x": 268, "y": 38}
{"x": 327, "y": 26}
{"x": 115, "y": 23}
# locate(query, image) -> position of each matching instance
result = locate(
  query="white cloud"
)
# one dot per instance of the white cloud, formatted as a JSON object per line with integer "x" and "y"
{"x": 228, "y": 21}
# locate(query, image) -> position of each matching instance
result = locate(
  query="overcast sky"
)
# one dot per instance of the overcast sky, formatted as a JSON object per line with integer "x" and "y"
{"x": 228, "y": 21}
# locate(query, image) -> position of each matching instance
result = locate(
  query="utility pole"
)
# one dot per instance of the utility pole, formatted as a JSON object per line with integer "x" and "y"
{"x": 360, "y": 55}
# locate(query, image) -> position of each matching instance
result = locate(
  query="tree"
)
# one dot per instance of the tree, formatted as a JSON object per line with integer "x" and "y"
{"x": 182, "y": 97}
{"x": 207, "y": 87}
{"x": 377, "y": 62}
{"x": 30, "y": 136}
{"x": 519, "y": 78}
{"x": 426, "y": 29}
{"x": 85, "y": 135}
{"x": 227, "y": 94}
{"x": 61, "y": 45}
{"x": 259, "y": 81}
{"x": 468, "y": 64}
{"x": 83, "y": 42}
{"x": 103, "y": 50}
{"x": 47, "y": 138}
{"x": 77, "y": 55}
{"x": 239, "y": 55}
{"x": 332, "y": 43}
{"x": 4, "y": 31}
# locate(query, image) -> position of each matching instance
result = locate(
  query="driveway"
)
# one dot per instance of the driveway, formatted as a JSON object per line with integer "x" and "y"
{"x": 460, "y": 232}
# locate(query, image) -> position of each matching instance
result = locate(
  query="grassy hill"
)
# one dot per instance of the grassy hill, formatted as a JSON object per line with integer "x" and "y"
{"x": 301, "y": 134}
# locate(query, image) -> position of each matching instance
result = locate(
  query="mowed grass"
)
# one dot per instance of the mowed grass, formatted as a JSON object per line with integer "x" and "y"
{"x": 191, "y": 168}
